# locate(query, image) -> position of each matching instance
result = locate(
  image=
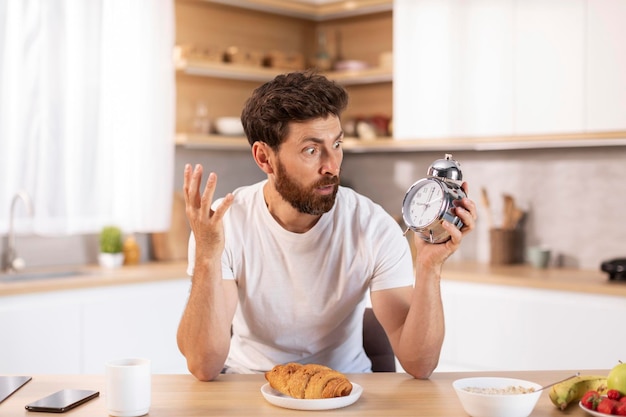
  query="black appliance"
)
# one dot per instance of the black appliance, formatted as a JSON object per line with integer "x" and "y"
{"x": 616, "y": 268}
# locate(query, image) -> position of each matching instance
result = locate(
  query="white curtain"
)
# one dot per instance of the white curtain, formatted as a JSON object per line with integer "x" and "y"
{"x": 87, "y": 114}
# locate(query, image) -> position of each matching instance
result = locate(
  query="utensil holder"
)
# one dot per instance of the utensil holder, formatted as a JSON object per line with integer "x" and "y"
{"x": 507, "y": 246}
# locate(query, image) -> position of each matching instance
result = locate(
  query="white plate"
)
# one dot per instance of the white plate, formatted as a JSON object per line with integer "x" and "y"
{"x": 282, "y": 400}
{"x": 593, "y": 413}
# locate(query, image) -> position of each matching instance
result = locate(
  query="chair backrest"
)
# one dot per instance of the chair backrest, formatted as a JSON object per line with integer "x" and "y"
{"x": 376, "y": 344}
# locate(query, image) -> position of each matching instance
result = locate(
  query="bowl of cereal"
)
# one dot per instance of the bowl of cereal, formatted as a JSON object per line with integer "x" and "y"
{"x": 497, "y": 397}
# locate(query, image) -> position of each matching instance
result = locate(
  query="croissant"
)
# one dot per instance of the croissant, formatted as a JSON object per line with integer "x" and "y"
{"x": 309, "y": 381}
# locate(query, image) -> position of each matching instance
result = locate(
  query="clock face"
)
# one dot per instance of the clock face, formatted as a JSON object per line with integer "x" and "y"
{"x": 425, "y": 204}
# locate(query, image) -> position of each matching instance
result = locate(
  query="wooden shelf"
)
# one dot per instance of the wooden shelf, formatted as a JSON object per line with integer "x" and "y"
{"x": 361, "y": 77}
{"x": 317, "y": 11}
{"x": 389, "y": 145}
{"x": 258, "y": 74}
{"x": 212, "y": 142}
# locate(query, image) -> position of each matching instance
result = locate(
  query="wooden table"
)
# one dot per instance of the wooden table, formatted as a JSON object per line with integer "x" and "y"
{"x": 384, "y": 395}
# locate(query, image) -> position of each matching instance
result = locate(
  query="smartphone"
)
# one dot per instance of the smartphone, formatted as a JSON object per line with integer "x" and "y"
{"x": 10, "y": 384}
{"x": 62, "y": 401}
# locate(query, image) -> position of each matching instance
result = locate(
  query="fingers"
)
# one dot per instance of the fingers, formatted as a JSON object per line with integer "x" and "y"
{"x": 456, "y": 235}
{"x": 191, "y": 185}
{"x": 207, "y": 195}
{"x": 465, "y": 188}
{"x": 467, "y": 212}
{"x": 199, "y": 205}
{"x": 186, "y": 181}
{"x": 465, "y": 209}
{"x": 191, "y": 188}
{"x": 224, "y": 206}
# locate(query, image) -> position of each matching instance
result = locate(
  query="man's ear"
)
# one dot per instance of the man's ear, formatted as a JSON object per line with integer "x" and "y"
{"x": 262, "y": 154}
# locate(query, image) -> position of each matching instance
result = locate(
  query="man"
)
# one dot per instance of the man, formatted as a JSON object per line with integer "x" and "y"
{"x": 285, "y": 264}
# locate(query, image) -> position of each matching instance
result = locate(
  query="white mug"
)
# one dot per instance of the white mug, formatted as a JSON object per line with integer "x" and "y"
{"x": 128, "y": 387}
{"x": 539, "y": 256}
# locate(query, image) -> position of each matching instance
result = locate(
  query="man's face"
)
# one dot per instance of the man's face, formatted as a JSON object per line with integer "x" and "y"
{"x": 308, "y": 164}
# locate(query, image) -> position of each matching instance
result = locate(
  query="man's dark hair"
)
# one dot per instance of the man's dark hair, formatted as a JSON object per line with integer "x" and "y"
{"x": 293, "y": 97}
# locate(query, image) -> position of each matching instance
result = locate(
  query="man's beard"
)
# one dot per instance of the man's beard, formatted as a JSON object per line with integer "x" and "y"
{"x": 305, "y": 199}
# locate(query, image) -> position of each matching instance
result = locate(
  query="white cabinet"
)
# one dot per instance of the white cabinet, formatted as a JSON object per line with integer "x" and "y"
{"x": 138, "y": 321}
{"x": 422, "y": 67}
{"x": 480, "y": 68}
{"x": 494, "y": 327}
{"x": 605, "y": 87}
{"x": 549, "y": 76}
{"x": 483, "y": 80}
{"x": 453, "y": 73}
{"x": 39, "y": 335}
{"x": 77, "y": 331}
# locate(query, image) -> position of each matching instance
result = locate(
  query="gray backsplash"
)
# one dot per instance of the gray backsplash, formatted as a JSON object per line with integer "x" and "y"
{"x": 574, "y": 198}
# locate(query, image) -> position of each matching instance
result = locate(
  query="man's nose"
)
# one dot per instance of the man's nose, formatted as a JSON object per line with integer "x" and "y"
{"x": 331, "y": 164}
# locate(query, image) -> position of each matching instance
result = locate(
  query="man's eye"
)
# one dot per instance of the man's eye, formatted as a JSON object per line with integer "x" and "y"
{"x": 337, "y": 144}
{"x": 310, "y": 151}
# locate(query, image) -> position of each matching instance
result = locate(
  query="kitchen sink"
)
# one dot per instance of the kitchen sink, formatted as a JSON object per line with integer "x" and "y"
{"x": 40, "y": 275}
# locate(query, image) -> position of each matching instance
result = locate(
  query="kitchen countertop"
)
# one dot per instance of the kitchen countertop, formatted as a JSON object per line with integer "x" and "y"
{"x": 560, "y": 279}
{"x": 522, "y": 275}
{"x": 96, "y": 276}
{"x": 384, "y": 394}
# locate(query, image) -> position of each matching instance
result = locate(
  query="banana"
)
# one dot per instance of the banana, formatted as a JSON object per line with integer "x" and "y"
{"x": 572, "y": 390}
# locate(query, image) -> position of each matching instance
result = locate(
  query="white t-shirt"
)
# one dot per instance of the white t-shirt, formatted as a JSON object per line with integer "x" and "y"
{"x": 302, "y": 295}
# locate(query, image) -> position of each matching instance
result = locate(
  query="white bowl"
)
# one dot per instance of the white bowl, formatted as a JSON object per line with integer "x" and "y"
{"x": 496, "y": 405}
{"x": 229, "y": 126}
{"x": 351, "y": 65}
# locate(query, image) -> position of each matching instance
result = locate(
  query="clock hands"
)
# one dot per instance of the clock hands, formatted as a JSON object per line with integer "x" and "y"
{"x": 428, "y": 203}
{"x": 432, "y": 190}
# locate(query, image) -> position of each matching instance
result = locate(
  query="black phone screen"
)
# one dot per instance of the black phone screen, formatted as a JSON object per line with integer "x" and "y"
{"x": 62, "y": 401}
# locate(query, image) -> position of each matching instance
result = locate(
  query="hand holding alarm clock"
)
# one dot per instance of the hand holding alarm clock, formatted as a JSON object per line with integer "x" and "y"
{"x": 430, "y": 201}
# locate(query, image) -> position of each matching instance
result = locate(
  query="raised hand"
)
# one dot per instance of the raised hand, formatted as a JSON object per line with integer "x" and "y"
{"x": 205, "y": 222}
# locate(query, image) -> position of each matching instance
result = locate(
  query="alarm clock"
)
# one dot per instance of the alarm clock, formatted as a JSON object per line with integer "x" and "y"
{"x": 430, "y": 201}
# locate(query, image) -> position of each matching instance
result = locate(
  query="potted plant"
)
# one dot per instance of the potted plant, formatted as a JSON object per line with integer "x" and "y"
{"x": 111, "y": 247}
